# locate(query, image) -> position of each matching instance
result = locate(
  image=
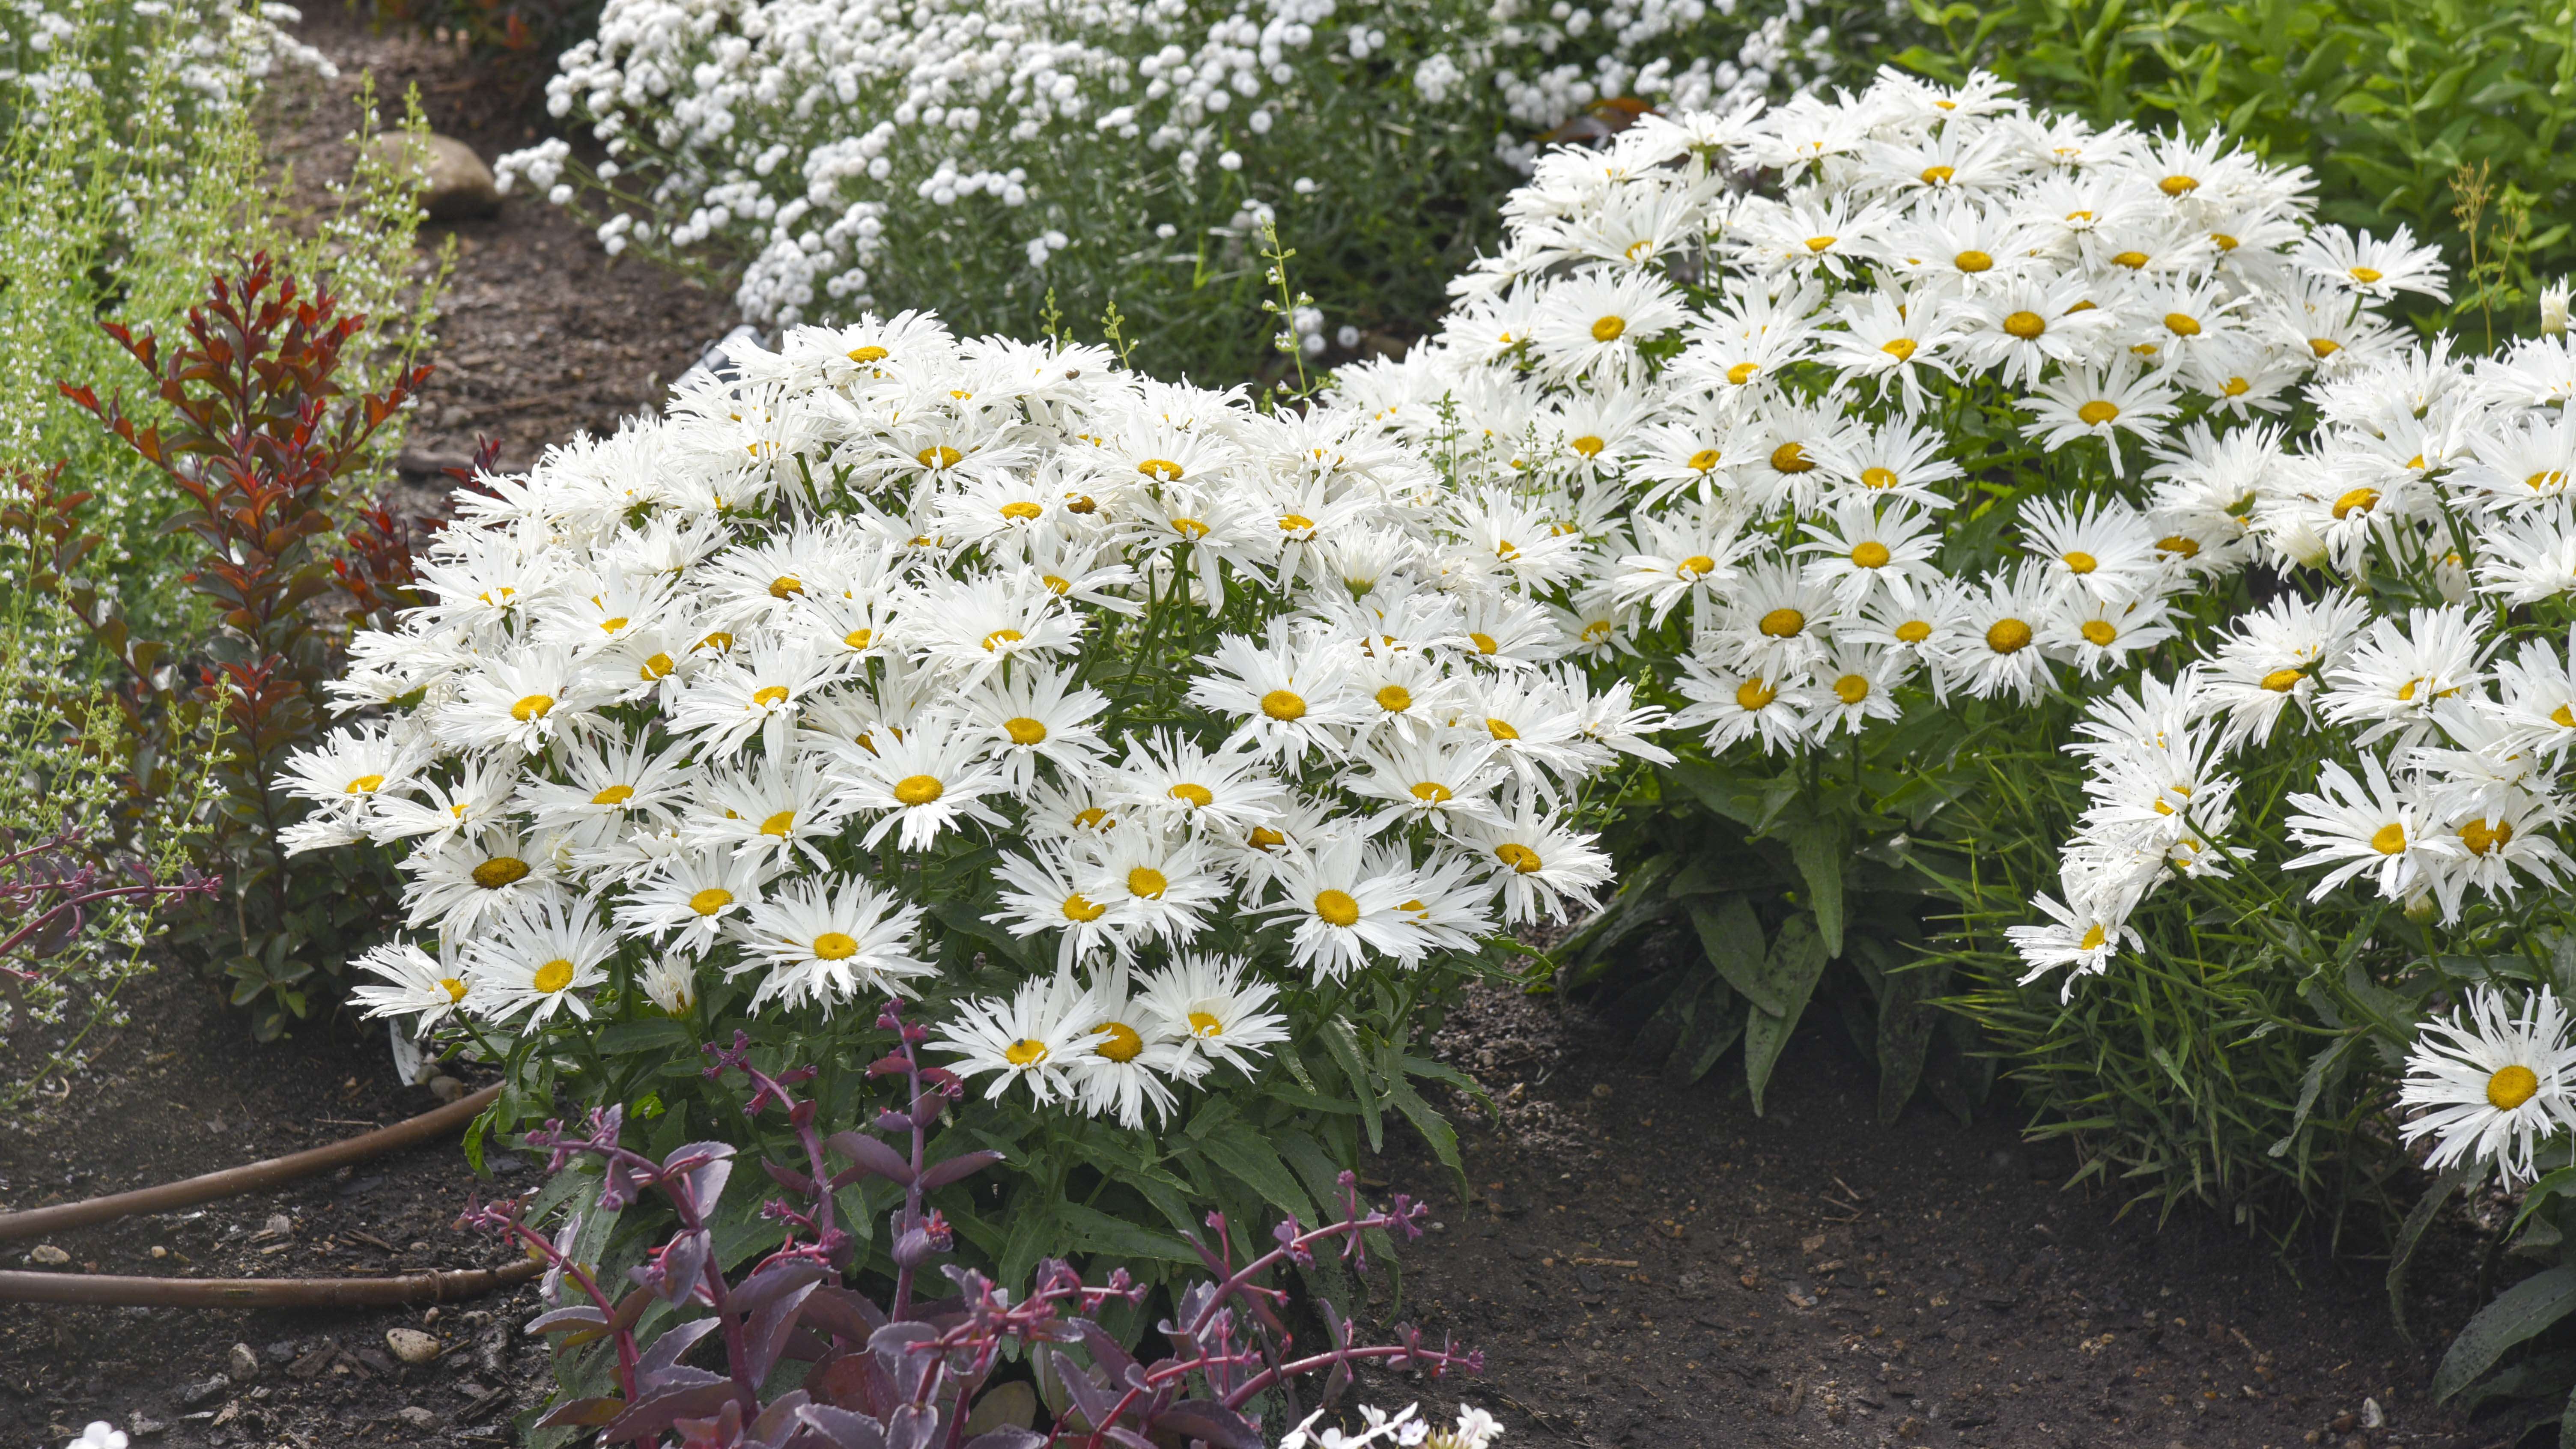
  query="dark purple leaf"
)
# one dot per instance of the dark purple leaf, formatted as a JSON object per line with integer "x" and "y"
{"x": 858, "y": 1382}
{"x": 940, "y": 1174}
{"x": 790, "y": 1180}
{"x": 648, "y": 1419}
{"x": 763, "y": 1287}
{"x": 911, "y": 1426}
{"x": 1105, "y": 1352}
{"x": 1208, "y": 1420}
{"x": 671, "y": 1378}
{"x": 668, "y": 1349}
{"x": 873, "y": 1154}
{"x": 580, "y": 1315}
{"x": 845, "y": 1315}
{"x": 821, "y": 1426}
{"x": 767, "y": 1332}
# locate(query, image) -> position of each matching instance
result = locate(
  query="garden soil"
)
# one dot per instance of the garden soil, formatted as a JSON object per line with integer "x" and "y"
{"x": 1643, "y": 1265}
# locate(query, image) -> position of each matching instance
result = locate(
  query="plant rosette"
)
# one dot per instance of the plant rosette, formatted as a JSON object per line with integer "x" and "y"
{"x": 1176, "y": 756}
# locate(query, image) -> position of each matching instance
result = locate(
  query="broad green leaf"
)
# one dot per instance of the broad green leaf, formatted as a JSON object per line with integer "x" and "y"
{"x": 2403, "y": 1251}
{"x": 1732, "y": 937}
{"x": 1818, "y": 847}
{"x": 1796, "y": 961}
{"x": 2526, "y": 1308}
{"x": 1346, "y": 1053}
{"x": 1906, "y": 1020}
{"x": 1241, "y": 1151}
{"x": 1092, "y": 1230}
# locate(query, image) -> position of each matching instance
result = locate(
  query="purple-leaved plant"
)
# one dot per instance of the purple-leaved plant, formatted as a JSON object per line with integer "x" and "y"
{"x": 909, "y": 1374}
{"x": 48, "y": 890}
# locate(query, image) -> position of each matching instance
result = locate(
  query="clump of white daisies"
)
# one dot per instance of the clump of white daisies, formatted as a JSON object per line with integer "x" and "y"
{"x": 837, "y": 680}
{"x": 1915, "y": 397}
{"x": 859, "y": 154}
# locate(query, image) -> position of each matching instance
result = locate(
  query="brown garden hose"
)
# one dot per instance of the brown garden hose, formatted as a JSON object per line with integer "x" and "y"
{"x": 232, "y": 1181}
{"x": 109, "y": 1289}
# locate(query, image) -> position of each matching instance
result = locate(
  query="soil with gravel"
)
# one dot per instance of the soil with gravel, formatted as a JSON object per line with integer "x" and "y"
{"x": 1642, "y": 1264}
{"x": 1650, "y": 1265}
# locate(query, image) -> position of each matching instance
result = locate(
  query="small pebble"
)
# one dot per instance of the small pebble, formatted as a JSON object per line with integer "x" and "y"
{"x": 159, "y": 1251}
{"x": 281, "y": 1352}
{"x": 446, "y": 1089}
{"x": 411, "y": 1345}
{"x": 1602, "y": 1092}
{"x": 204, "y": 1391}
{"x": 144, "y": 1426}
{"x": 417, "y": 1417}
{"x": 49, "y": 1255}
{"x": 278, "y": 1225}
{"x": 243, "y": 1363}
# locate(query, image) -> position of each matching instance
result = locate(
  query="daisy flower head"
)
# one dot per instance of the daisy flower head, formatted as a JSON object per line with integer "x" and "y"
{"x": 2103, "y": 402}
{"x": 922, "y": 782}
{"x": 1134, "y": 1058}
{"x": 1219, "y": 1009}
{"x": 2491, "y": 1080}
{"x": 412, "y": 983}
{"x": 1590, "y": 324}
{"x": 1030, "y": 1039}
{"x": 470, "y": 881}
{"x": 1546, "y": 871}
{"x": 539, "y": 963}
{"x": 2369, "y": 826}
{"x": 825, "y": 941}
{"x": 2083, "y": 933}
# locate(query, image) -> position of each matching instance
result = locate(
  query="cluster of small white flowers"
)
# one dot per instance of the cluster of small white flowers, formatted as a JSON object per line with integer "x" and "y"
{"x": 697, "y": 698}
{"x": 219, "y": 50}
{"x": 818, "y": 138}
{"x": 1403, "y": 1429}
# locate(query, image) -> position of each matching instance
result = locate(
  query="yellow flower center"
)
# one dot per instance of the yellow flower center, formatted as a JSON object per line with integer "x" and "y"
{"x": 1876, "y": 477}
{"x": 2178, "y": 546}
{"x": 531, "y": 707}
{"x": 364, "y": 785}
{"x": 1782, "y": 623}
{"x": 1852, "y": 688}
{"x": 2389, "y": 839}
{"x": 1092, "y": 818}
{"x": 655, "y": 666}
{"x": 786, "y": 586}
{"x": 2481, "y": 836}
{"x": 2025, "y": 325}
{"x": 1284, "y": 705}
{"x": 1753, "y": 694}
{"x": 2008, "y": 636}
{"x": 1899, "y": 348}
{"x": 499, "y": 871}
{"x": 1337, "y": 908}
{"x": 2563, "y": 717}
{"x": 1697, "y": 566}
{"x": 1973, "y": 261}
{"x": 1870, "y": 554}
{"x": 1294, "y": 522}
{"x": 1743, "y": 372}
{"x": 1913, "y": 631}
{"x": 1265, "y": 838}
{"x": 2358, "y": 498}
{"x": 1025, "y": 731}
{"x": 1120, "y": 1042}
{"x": 941, "y": 456}
{"x": 1056, "y": 584}
{"x": 1202, "y": 1024}
{"x": 719, "y": 641}
{"x": 1199, "y": 796}
{"x": 711, "y": 900}
{"x": 1485, "y": 643}
{"x": 777, "y": 826}
{"x": 1021, "y": 510}
{"x": 2099, "y": 633}
{"x": 2178, "y": 185}
{"x": 1935, "y": 175}
{"x": 2236, "y": 387}
{"x": 2223, "y": 241}
{"x": 2131, "y": 260}
{"x": 2324, "y": 347}
{"x": 1161, "y": 470}
{"x": 918, "y": 790}
{"x": 769, "y": 696}
{"x": 2545, "y": 480}
{"x": 2097, "y": 412}
{"x": 2181, "y": 325}
{"x": 1590, "y": 445}
{"x": 1081, "y": 503}
{"x": 1820, "y": 243}
{"x": 1147, "y": 883}
{"x": 2282, "y": 681}
{"x": 2512, "y": 1086}
{"x": 1703, "y": 460}
{"x": 859, "y": 638}
{"x": 2080, "y": 562}
{"x": 1791, "y": 458}
{"x": 553, "y": 976}
{"x": 2366, "y": 275}
{"x": 614, "y": 795}
{"x": 455, "y": 988}
{"x": 867, "y": 354}
{"x": 1432, "y": 792}
{"x": 1501, "y": 729}
{"x": 1519, "y": 857}
{"x": 1025, "y": 1053}
{"x": 1609, "y": 329}
{"x": 1395, "y": 699}
{"x": 1079, "y": 907}
{"x": 1000, "y": 637}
